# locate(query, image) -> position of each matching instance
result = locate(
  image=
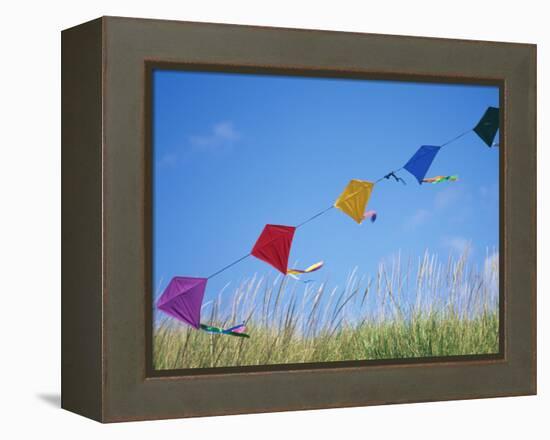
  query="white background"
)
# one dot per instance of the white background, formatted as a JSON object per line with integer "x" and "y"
{"x": 30, "y": 219}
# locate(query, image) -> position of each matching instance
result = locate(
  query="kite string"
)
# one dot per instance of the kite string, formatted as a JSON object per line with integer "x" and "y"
{"x": 223, "y": 269}
{"x": 315, "y": 216}
{"x": 248, "y": 255}
{"x": 228, "y": 266}
{"x": 457, "y": 137}
{"x": 386, "y": 176}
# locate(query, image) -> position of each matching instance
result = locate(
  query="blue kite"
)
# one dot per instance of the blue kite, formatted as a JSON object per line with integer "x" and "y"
{"x": 419, "y": 164}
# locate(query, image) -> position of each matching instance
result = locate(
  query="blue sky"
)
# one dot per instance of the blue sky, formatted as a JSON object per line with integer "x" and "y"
{"x": 233, "y": 152}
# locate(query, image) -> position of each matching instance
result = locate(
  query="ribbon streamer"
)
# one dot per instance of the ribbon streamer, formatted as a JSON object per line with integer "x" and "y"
{"x": 439, "y": 179}
{"x": 238, "y": 330}
{"x": 370, "y": 214}
{"x": 310, "y": 269}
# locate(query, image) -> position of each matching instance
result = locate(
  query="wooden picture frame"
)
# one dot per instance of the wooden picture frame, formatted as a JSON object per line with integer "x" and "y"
{"x": 106, "y": 215}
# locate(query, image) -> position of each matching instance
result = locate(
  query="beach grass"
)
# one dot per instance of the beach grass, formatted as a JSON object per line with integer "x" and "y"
{"x": 407, "y": 309}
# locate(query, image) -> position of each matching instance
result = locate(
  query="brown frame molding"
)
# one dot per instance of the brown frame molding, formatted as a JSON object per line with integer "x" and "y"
{"x": 106, "y": 254}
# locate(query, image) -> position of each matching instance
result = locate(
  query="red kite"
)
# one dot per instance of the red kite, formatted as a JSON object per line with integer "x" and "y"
{"x": 273, "y": 247}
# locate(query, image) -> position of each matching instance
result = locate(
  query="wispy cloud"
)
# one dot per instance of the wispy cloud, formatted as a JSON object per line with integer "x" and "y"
{"x": 458, "y": 244}
{"x": 419, "y": 217}
{"x": 448, "y": 196}
{"x": 452, "y": 199}
{"x": 221, "y": 136}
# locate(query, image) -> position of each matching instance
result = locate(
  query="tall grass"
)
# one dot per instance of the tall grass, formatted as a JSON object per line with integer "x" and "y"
{"x": 407, "y": 309}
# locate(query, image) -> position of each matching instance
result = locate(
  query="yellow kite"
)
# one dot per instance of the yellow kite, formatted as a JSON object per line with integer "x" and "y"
{"x": 354, "y": 199}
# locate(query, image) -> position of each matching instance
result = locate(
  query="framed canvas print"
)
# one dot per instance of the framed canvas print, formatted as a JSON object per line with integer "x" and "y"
{"x": 303, "y": 219}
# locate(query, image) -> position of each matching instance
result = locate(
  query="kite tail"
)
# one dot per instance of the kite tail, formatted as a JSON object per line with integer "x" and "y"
{"x": 310, "y": 269}
{"x": 241, "y": 328}
{"x": 233, "y": 331}
{"x": 370, "y": 214}
{"x": 439, "y": 179}
{"x": 297, "y": 278}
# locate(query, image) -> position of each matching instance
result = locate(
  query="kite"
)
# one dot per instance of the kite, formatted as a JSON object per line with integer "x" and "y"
{"x": 354, "y": 199}
{"x": 370, "y": 214}
{"x": 273, "y": 247}
{"x": 439, "y": 179}
{"x": 487, "y": 127}
{"x": 238, "y": 330}
{"x": 182, "y": 299}
{"x": 419, "y": 164}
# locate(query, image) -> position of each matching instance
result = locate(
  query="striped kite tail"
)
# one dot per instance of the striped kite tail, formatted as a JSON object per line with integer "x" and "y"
{"x": 439, "y": 179}
{"x": 238, "y": 330}
{"x": 310, "y": 269}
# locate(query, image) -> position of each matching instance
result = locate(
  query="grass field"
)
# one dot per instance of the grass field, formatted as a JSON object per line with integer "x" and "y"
{"x": 409, "y": 308}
